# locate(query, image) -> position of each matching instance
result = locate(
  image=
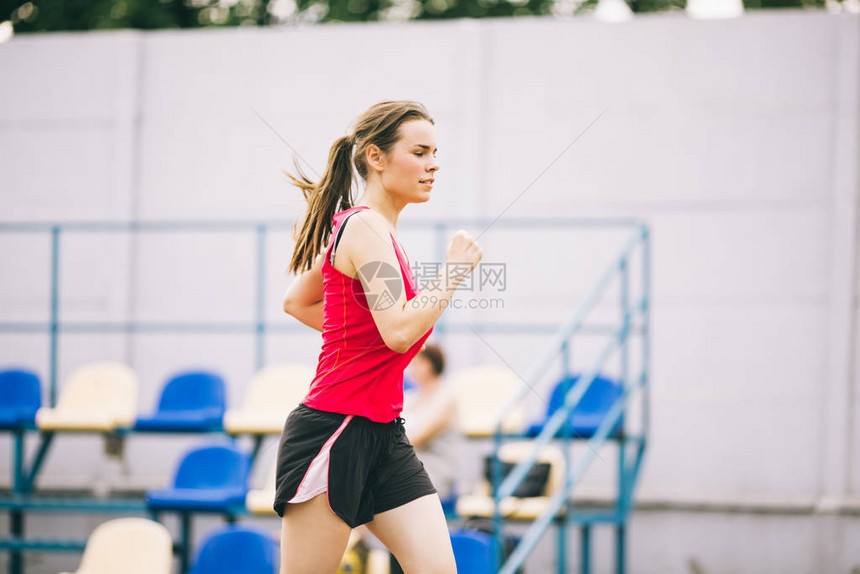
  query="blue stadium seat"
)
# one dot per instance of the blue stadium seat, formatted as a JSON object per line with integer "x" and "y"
{"x": 590, "y": 410}
{"x": 473, "y": 551}
{"x": 190, "y": 402}
{"x": 20, "y": 398}
{"x": 449, "y": 506}
{"x": 237, "y": 549}
{"x": 211, "y": 478}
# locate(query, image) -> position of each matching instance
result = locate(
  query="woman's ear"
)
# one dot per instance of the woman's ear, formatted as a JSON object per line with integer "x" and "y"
{"x": 375, "y": 158}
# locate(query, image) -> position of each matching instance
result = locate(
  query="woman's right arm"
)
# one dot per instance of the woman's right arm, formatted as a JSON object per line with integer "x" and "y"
{"x": 304, "y": 297}
{"x": 402, "y": 323}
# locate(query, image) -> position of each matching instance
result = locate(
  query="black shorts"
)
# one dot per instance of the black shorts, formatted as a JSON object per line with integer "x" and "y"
{"x": 365, "y": 467}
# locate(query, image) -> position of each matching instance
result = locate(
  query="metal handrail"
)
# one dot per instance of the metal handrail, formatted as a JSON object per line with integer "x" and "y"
{"x": 559, "y": 499}
{"x": 566, "y": 331}
{"x": 559, "y": 346}
{"x": 554, "y": 424}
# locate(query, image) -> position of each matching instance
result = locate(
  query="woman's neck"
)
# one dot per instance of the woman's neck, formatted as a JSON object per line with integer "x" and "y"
{"x": 377, "y": 199}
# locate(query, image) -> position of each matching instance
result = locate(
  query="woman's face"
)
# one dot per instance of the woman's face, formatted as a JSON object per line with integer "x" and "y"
{"x": 411, "y": 163}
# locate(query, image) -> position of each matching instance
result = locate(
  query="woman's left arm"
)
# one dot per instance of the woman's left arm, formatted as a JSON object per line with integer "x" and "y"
{"x": 304, "y": 297}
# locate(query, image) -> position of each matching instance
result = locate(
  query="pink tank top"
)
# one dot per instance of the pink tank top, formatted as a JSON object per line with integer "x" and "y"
{"x": 357, "y": 373}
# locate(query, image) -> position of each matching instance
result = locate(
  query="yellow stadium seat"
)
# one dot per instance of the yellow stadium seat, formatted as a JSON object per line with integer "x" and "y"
{"x": 480, "y": 504}
{"x": 378, "y": 561}
{"x": 273, "y": 392}
{"x": 262, "y": 500}
{"x": 96, "y": 397}
{"x": 481, "y": 393}
{"x": 128, "y": 546}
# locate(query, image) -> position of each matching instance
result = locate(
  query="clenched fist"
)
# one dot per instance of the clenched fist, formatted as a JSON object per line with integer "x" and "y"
{"x": 465, "y": 251}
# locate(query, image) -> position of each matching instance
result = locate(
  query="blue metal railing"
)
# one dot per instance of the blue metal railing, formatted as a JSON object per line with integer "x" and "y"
{"x": 560, "y": 347}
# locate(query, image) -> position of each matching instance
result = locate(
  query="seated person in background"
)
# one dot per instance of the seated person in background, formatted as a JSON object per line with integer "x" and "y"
{"x": 429, "y": 408}
{"x": 431, "y": 423}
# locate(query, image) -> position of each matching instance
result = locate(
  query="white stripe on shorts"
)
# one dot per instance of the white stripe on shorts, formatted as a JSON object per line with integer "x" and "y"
{"x": 315, "y": 480}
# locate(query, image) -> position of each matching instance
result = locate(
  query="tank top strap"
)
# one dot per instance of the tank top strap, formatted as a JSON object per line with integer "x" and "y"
{"x": 340, "y": 220}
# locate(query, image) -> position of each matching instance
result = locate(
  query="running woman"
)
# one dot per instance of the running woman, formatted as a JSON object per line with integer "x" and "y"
{"x": 343, "y": 457}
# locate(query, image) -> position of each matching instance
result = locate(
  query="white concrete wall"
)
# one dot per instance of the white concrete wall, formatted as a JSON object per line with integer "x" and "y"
{"x": 737, "y": 141}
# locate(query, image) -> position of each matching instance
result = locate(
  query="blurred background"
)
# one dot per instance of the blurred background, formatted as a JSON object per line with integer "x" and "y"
{"x": 730, "y": 130}
{"x": 58, "y": 15}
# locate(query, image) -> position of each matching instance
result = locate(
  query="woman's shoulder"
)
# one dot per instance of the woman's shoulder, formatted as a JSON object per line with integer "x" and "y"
{"x": 372, "y": 222}
{"x": 338, "y": 216}
{"x": 368, "y": 214}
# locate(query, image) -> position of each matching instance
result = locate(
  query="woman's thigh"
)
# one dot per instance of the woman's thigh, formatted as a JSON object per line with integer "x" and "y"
{"x": 313, "y": 538}
{"x": 417, "y": 534}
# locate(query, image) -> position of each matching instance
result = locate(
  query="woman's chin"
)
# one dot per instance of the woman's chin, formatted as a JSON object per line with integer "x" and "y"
{"x": 420, "y": 197}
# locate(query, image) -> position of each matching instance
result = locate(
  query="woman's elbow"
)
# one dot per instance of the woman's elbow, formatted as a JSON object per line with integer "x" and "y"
{"x": 397, "y": 342}
{"x": 289, "y": 306}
